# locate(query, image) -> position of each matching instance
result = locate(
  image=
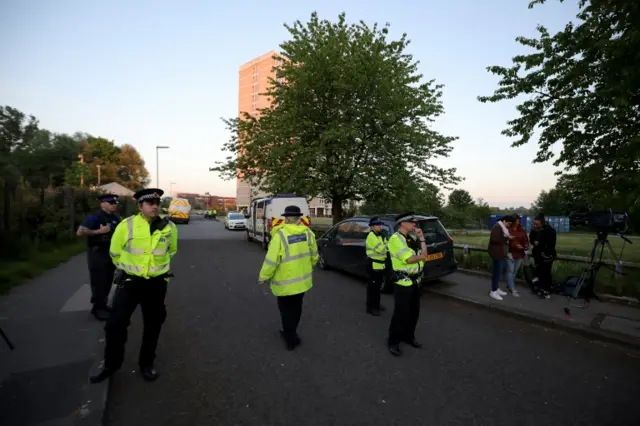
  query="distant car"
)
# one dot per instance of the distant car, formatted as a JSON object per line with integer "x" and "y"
{"x": 235, "y": 220}
{"x": 343, "y": 247}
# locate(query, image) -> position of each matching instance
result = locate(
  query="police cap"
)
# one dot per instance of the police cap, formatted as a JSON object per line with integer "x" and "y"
{"x": 148, "y": 194}
{"x": 406, "y": 217}
{"x": 108, "y": 198}
{"x": 292, "y": 211}
{"x": 375, "y": 221}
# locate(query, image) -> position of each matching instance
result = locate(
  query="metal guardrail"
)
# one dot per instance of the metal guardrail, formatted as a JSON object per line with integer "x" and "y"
{"x": 566, "y": 257}
{"x": 470, "y": 248}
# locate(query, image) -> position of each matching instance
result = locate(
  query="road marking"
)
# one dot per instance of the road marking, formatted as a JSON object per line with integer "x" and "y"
{"x": 80, "y": 301}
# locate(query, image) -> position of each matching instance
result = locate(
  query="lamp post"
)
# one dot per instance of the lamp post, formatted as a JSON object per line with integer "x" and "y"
{"x": 158, "y": 148}
{"x": 171, "y": 188}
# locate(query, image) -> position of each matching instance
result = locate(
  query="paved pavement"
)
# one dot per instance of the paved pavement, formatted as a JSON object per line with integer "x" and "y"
{"x": 613, "y": 322}
{"x": 44, "y": 380}
{"x": 222, "y": 362}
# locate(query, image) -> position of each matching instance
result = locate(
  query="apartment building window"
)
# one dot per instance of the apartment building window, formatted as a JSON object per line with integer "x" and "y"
{"x": 254, "y": 106}
{"x": 255, "y": 78}
{"x": 255, "y": 69}
{"x": 255, "y": 88}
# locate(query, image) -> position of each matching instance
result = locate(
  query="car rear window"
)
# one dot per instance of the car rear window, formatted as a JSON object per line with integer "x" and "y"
{"x": 433, "y": 231}
{"x": 236, "y": 216}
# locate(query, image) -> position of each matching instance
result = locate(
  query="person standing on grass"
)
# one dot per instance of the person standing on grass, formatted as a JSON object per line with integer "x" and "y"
{"x": 498, "y": 250}
{"x": 543, "y": 239}
{"x": 517, "y": 248}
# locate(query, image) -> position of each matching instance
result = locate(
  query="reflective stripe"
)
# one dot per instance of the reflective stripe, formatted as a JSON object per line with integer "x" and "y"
{"x": 131, "y": 268}
{"x": 287, "y": 254}
{"x": 293, "y": 280}
{"x": 400, "y": 252}
{"x": 270, "y": 262}
{"x": 159, "y": 268}
{"x": 132, "y": 250}
{"x": 159, "y": 252}
{"x": 112, "y": 254}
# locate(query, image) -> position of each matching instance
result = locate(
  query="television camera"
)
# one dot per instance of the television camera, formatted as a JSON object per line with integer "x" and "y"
{"x": 603, "y": 222}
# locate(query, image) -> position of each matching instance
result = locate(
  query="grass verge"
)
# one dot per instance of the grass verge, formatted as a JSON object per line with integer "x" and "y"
{"x": 16, "y": 272}
{"x": 607, "y": 282}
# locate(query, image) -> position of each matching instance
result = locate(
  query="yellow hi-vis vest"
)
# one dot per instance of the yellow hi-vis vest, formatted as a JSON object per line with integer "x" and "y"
{"x": 290, "y": 260}
{"x": 400, "y": 252}
{"x": 137, "y": 252}
{"x": 376, "y": 248}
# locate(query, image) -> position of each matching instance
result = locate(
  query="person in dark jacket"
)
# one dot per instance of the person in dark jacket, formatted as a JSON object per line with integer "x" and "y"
{"x": 497, "y": 250}
{"x": 99, "y": 228}
{"x": 543, "y": 239}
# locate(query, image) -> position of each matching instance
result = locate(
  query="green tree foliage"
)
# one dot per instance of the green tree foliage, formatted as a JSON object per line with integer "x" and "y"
{"x": 425, "y": 199}
{"x": 350, "y": 119}
{"x": 36, "y": 163}
{"x": 460, "y": 199}
{"x": 582, "y": 88}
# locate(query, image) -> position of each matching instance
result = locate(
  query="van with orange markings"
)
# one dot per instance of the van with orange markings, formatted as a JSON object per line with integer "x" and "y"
{"x": 265, "y": 214}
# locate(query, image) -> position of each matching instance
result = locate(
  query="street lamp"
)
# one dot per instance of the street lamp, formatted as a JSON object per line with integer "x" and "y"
{"x": 171, "y": 188}
{"x": 158, "y": 148}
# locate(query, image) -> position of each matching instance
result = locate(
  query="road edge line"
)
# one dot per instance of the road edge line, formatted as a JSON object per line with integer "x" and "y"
{"x": 551, "y": 322}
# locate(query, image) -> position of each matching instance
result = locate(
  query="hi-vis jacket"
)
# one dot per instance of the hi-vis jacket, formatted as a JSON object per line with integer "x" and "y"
{"x": 290, "y": 260}
{"x": 376, "y": 248}
{"x": 400, "y": 252}
{"x": 138, "y": 252}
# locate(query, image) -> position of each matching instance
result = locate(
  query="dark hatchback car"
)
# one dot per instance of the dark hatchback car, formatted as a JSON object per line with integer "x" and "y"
{"x": 343, "y": 247}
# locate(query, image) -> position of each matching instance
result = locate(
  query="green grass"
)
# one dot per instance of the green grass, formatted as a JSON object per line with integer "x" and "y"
{"x": 574, "y": 244}
{"x": 16, "y": 272}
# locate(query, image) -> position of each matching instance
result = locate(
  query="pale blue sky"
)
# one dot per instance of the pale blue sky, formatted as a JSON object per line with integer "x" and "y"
{"x": 163, "y": 73}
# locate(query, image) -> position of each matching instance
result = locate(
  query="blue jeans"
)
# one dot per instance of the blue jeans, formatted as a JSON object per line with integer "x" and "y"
{"x": 496, "y": 272}
{"x": 513, "y": 266}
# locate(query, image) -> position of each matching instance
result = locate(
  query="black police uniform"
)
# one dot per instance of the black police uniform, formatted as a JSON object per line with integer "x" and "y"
{"x": 101, "y": 268}
{"x": 133, "y": 291}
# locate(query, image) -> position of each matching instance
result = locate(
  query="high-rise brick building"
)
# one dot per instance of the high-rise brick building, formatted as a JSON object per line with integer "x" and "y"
{"x": 254, "y": 80}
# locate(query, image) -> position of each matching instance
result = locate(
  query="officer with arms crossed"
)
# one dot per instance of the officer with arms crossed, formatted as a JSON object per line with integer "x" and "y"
{"x": 407, "y": 260}
{"x": 376, "y": 249}
{"x": 142, "y": 247}
{"x": 288, "y": 267}
{"x": 99, "y": 228}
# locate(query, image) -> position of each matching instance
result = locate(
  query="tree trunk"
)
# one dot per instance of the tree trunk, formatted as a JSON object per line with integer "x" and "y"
{"x": 336, "y": 209}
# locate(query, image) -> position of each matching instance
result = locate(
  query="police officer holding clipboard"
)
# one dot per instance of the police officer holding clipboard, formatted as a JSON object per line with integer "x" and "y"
{"x": 99, "y": 228}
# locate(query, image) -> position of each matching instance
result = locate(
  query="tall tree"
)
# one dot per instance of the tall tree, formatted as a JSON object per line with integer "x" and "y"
{"x": 583, "y": 90}
{"x": 460, "y": 199}
{"x": 350, "y": 118}
{"x": 132, "y": 172}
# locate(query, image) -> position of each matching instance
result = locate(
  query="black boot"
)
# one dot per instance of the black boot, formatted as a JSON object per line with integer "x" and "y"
{"x": 101, "y": 377}
{"x": 395, "y": 350}
{"x": 100, "y": 313}
{"x": 374, "y": 312}
{"x": 414, "y": 343}
{"x": 149, "y": 373}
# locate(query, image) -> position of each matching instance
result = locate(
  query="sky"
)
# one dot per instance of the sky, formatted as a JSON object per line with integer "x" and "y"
{"x": 162, "y": 72}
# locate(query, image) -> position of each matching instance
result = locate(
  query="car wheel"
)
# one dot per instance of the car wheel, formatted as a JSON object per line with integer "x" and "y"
{"x": 387, "y": 285}
{"x": 322, "y": 263}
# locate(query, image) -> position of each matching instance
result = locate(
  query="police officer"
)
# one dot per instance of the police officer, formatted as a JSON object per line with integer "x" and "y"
{"x": 142, "y": 247}
{"x": 288, "y": 267}
{"x": 376, "y": 249}
{"x": 408, "y": 253}
{"x": 99, "y": 228}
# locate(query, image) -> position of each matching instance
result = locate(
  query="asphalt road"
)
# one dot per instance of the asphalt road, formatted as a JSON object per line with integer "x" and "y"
{"x": 223, "y": 363}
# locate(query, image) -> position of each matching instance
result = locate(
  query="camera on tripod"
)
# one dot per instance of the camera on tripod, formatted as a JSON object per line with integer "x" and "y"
{"x": 604, "y": 221}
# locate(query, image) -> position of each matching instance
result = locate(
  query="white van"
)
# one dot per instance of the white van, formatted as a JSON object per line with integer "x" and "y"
{"x": 262, "y": 211}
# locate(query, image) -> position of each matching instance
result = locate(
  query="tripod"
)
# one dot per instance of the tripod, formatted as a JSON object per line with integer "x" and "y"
{"x": 6, "y": 339}
{"x": 588, "y": 275}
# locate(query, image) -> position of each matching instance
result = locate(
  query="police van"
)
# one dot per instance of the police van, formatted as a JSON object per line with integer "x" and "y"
{"x": 265, "y": 213}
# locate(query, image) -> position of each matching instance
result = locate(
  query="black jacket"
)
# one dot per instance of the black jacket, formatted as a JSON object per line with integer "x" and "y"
{"x": 546, "y": 239}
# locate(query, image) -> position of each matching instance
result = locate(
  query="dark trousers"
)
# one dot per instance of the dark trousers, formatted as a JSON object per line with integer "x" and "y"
{"x": 290, "y": 312}
{"x": 101, "y": 270}
{"x": 373, "y": 287}
{"x": 149, "y": 294}
{"x": 406, "y": 312}
{"x": 543, "y": 270}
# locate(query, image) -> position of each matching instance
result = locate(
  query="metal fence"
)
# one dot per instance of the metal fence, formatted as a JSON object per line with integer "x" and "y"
{"x": 32, "y": 218}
